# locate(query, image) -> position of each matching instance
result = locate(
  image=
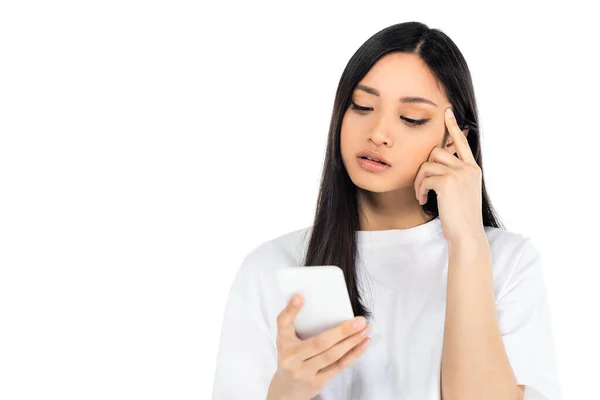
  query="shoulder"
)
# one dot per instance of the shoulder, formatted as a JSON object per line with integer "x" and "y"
{"x": 503, "y": 240}
{"x": 287, "y": 249}
{"x": 508, "y": 246}
{"x": 514, "y": 255}
{"x": 255, "y": 283}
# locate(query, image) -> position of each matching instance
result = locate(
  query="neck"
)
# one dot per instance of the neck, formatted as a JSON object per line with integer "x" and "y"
{"x": 390, "y": 210}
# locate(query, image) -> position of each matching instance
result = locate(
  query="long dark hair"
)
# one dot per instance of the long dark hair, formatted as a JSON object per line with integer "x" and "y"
{"x": 333, "y": 239}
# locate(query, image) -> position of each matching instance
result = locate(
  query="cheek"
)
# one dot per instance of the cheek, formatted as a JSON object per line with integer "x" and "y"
{"x": 418, "y": 155}
{"x": 410, "y": 154}
{"x": 349, "y": 136}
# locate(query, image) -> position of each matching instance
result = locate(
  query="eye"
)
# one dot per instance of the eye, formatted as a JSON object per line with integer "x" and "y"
{"x": 364, "y": 110}
{"x": 415, "y": 121}
{"x": 359, "y": 108}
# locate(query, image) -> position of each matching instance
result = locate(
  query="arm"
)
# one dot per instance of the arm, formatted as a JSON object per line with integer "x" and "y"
{"x": 474, "y": 361}
{"x": 247, "y": 356}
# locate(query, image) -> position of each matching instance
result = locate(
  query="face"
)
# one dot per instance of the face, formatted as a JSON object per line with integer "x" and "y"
{"x": 404, "y": 133}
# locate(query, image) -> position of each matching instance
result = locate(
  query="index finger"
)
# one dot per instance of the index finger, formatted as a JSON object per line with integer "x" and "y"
{"x": 460, "y": 140}
{"x": 316, "y": 345}
{"x": 332, "y": 336}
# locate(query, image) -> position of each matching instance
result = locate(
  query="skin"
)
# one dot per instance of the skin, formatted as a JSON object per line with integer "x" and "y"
{"x": 388, "y": 200}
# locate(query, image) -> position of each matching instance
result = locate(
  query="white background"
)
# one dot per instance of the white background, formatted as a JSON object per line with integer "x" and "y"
{"x": 146, "y": 147}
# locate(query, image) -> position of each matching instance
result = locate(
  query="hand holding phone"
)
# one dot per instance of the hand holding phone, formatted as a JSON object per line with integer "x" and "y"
{"x": 327, "y": 303}
{"x": 305, "y": 366}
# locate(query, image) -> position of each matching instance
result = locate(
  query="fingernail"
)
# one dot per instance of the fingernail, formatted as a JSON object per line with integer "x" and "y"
{"x": 365, "y": 343}
{"x": 296, "y": 300}
{"x": 366, "y": 331}
{"x": 359, "y": 322}
{"x": 449, "y": 113}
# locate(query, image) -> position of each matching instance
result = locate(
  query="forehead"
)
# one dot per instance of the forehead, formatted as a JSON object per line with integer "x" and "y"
{"x": 402, "y": 74}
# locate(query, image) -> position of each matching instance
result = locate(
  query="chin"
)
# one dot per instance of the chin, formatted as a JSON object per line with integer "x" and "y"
{"x": 378, "y": 183}
{"x": 372, "y": 183}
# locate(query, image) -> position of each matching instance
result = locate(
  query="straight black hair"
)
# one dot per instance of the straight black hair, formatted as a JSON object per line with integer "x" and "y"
{"x": 333, "y": 238}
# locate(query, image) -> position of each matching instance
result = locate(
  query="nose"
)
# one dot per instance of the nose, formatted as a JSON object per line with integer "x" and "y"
{"x": 381, "y": 133}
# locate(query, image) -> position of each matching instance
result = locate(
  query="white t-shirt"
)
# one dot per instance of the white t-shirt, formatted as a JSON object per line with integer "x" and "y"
{"x": 404, "y": 272}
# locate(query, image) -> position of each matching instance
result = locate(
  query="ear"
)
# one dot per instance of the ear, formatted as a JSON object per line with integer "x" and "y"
{"x": 450, "y": 142}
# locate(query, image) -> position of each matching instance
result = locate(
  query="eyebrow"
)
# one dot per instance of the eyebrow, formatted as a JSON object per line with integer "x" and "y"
{"x": 405, "y": 99}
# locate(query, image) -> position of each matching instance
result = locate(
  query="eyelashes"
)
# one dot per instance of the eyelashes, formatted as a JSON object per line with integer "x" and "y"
{"x": 363, "y": 110}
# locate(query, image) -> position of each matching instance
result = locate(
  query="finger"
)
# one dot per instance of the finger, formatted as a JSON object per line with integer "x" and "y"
{"x": 327, "y": 373}
{"x": 335, "y": 353}
{"x": 458, "y": 137}
{"x": 429, "y": 183}
{"x": 324, "y": 341}
{"x": 446, "y": 136}
{"x": 427, "y": 169}
{"x": 286, "y": 318}
{"x": 440, "y": 156}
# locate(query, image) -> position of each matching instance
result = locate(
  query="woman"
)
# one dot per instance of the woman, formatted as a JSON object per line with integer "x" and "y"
{"x": 455, "y": 305}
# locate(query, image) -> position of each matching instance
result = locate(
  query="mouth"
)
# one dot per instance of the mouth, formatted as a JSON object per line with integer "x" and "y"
{"x": 373, "y": 159}
{"x": 373, "y": 156}
{"x": 373, "y": 166}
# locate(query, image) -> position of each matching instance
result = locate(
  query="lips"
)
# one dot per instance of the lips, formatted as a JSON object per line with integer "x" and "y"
{"x": 374, "y": 157}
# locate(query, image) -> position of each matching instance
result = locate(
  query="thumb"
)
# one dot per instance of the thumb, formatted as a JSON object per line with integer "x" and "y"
{"x": 285, "y": 321}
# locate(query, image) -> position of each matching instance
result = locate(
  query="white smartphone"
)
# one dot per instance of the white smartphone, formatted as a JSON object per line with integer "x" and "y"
{"x": 326, "y": 300}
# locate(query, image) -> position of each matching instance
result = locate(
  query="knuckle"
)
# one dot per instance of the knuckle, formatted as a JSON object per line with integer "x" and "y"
{"x": 329, "y": 356}
{"x": 358, "y": 339}
{"x": 337, "y": 354}
{"x": 281, "y": 318}
{"x": 319, "y": 342}
{"x": 349, "y": 329}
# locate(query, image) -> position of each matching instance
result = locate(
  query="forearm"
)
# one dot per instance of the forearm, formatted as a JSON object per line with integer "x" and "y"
{"x": 474, "y": 361}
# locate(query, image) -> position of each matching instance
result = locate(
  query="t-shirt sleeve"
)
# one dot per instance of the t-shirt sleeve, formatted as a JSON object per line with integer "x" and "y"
{"x": 247, "y": 353}
{"x": 526, "y": 329}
